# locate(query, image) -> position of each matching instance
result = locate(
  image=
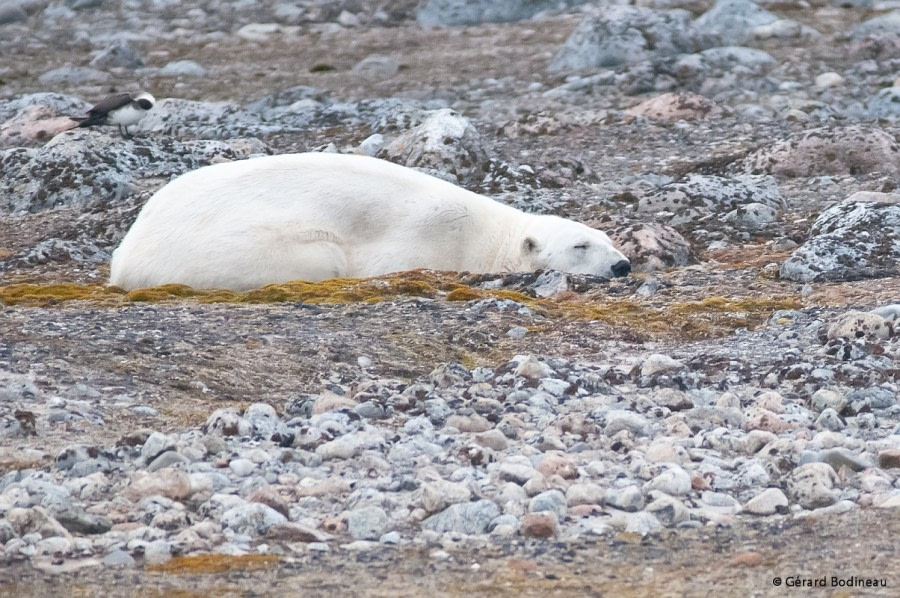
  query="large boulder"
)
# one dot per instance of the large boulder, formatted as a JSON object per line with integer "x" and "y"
{"x": 625, "y": 34}
{"x": 857, "y": 238}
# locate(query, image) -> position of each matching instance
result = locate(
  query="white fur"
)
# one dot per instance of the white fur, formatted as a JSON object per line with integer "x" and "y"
{"x": 241, "y": 225}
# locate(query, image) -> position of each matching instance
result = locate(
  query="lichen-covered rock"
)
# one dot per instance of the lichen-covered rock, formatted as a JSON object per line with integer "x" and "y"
{"x": 651, "y": 246}
{"x": 446, "y": 142}
{"x": 698, "y": 194}
{"x": 189, "y": 119}
{"x": 682, "y": 105}
{"x": 885, "y": 104}
{"x": 854, "y": 149}
{"x": 857, "y": 238}
{"x": 731, "y": 22}
{"x": 436, "y": 13}
{"x": 812, "y": 485}
{"x": 618, "y": 35}
{"x": 90, "y": 167}
{"x": 118, "y": 54}
{"x": 857, "y": 324}
{"x": 886, "y": 23}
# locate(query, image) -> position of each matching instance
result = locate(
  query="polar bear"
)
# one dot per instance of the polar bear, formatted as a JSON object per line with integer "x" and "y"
{"x": 241, "y": 225}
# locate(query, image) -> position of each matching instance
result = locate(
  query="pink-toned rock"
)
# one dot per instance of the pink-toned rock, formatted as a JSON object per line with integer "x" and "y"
{"x": 166, "y": 482}
{"x": 269, "y": 496}
{"x": 539, "y": 525}
{"x": 651, "y": 246}
{"x": 672, "y": 107}
{"x": 35, "y": 123}
{"x": 553, "y": 464}
{"x": 763, "y": 419}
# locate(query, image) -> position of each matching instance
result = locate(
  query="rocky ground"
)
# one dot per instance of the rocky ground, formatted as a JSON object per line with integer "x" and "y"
{"x": 726, "y": 415}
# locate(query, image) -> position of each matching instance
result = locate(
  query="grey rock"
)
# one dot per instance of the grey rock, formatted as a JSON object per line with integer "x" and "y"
{"x": 651, "y": 247}
{"x": 767, "y": 502}
{"x": 674, "y": 481}
{"x": 465, "y": 518}
{"x": 73, "y": 75}
{"x": 167, "y": 459}
{"x": 628, "y": 498}
{"x": 668, "y": 511}
{"x": 551, "y": 500}
{"x": 698, "y": 195}
{"x": 253, "y": 519}
{"x": 182, "y": 68}
{"x": 77, "y": 521}
{"x": 752, "y": 217}
{"x": 728, "y": 58}
{"x": 830, "y": 420}
{"x": 11, "y": 12}
{"x": 886, "y": 23}
{"x": 885, "y": 104}
{"x": 812, "y": 485}
{"x": 624, "y": 34}
{"x": 367, "y": 523}
{"x": 118, "y": 54}
{"x": 155, "y": 445}
{"x": 731, "y": 22}
{"x": 857, "y": 238}
{"x": 118, "y": 558}
{"x": 88, "y": 167}
{"x": 446, "y": 142}
{"x": 618, "y": 420}
{"x": 437, "y": 13}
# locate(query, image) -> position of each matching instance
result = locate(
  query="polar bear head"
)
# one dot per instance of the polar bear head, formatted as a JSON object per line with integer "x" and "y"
{"x": 560, "y": 244}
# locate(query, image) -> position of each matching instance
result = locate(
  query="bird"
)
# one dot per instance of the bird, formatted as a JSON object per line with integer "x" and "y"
{"x": 122, "y": 110}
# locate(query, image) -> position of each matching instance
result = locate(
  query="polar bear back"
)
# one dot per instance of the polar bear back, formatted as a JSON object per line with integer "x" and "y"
{"x": 308, "y": 216}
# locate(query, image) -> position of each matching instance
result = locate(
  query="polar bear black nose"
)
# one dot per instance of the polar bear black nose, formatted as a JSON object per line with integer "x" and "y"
{"x": 621, "y": 268}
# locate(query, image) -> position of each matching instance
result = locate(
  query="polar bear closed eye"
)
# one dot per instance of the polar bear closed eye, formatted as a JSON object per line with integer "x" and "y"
{"x": 241, "y": 225}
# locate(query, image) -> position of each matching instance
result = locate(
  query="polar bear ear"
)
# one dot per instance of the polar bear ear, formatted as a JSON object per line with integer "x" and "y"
{"x": 530, "y": 245}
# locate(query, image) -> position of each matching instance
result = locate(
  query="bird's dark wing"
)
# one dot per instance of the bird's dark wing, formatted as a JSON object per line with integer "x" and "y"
{"x": 110, "y": 103}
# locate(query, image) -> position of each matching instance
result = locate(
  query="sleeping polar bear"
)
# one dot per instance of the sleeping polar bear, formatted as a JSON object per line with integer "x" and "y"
{"x": 241, "y": 225}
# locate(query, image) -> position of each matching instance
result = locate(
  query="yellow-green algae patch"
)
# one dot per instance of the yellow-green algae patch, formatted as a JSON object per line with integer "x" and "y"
{"x": 200, "y": 564}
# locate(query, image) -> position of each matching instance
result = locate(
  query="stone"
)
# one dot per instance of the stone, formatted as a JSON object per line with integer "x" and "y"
{"x": 889, "y": 459}
{"x": 658, "y": 363}
{"x": 616, "y": 35}
{"x": 850, "y": 149}
{"x": 553, "y": 501}
{"x": 367, "y": 523}
{"x": 453, "y": 13}
{"x": 676, "y": 106}
{"x": 439, "y": 494}
{"x": 698, "y": 195}
{"x": 119, "y": 54}
{"x": 674, "y": 481}
{"x": 465, "y": 518}
{"x": 651, "y": 247}
{"x": 856, "y": 324}
{"x": 731, "y": 22}
{"x": 446, "y": 142}
{"x": 539, "y": 525}
{"x": 855, "y": 239}
{"x": 812, "y": 485}
{"x": 767, "y": 502}
{"x": 170, "y": 483}
{"x": 252, "y": 518}
{"x": 628, "y": 498}
{"x": 585, "y": 494}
